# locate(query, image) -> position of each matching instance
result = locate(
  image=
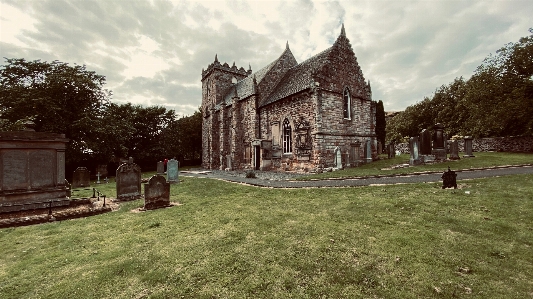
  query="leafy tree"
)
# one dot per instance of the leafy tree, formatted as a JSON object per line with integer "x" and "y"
{"x": 183, "y": 138}
{"x": 380, "y": 122}
{"x": 56, "y": 96}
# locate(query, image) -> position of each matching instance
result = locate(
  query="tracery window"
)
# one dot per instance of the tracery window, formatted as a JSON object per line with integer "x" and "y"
{"x": 287, "y": 137}
{"x": 347, "y": 104}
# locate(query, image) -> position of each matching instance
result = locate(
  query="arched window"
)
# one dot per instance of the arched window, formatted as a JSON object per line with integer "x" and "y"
{"x": 347, "y": 104}
{"x": 287, "y": 137}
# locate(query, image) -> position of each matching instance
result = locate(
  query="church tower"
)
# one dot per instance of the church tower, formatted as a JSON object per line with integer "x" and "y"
{"x": 216, "y": 80}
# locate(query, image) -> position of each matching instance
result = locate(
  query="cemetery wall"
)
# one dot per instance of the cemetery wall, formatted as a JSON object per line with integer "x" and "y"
{"x": 495, "y": 144}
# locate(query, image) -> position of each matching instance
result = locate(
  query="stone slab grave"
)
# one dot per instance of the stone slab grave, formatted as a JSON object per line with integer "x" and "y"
{"x": 454, "y": 150}
{"x": 338, "y": 158}
{"x": 368, "y": 152}
{"x": 160, "y": 167}
{"x": 128, "y": 180}
{"x": 439, "y": 147}
{"x": 156, "y": 193}
{"x": 81, "y": 178}
{"x": 413, "y": 149}
{"x": 468, "y": 147}
{"x": 32, "y": 170}
{"x": 172, "y": 171}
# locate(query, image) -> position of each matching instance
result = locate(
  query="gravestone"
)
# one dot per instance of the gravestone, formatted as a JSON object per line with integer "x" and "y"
{"x": 454, "y": 150}
{"x": 81, "y": 178}
{"x": 449, "y": 179}
{"x": 439, "y": 149}
{"x": 413, "y": 149}
{"x": 425, "y": 142}
{"x": 391, "y": 151}
{"x": 368, "y": 152}
{"x": 160, "y": 167}
{"x": 338, "y": 158}
{"x": 156, "y": 193}
{"x": 172, "y": 171}
{"x": 128, "y": 179}
{"x": 228, "y": 162}
{"x": 32, "y": 170}
{"x": 102, "y": 169}
{"x": 380, "y": 148}
{"x": 468, "y": 147}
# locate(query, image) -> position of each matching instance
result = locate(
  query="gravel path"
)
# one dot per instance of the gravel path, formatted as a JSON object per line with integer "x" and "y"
{"x": 281, "y": 180}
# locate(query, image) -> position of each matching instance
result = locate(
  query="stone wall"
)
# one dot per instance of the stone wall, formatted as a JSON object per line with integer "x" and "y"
{"x": 495, "y": 144}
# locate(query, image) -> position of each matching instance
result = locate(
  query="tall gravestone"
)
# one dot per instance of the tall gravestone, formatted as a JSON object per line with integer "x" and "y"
{"x": 172, "y": 171}
{"x": 414, "y": 150}
{"x": 368, "y": 151}
{"x": 468, "y": 147}
{"x": 391, "y": 151}
{"x": 425, "y": 142}
{"x": 454, "y": 150}
{"x": 156, "y": 193}
{"x": 81, "y": 178}
{"x": 160, "y": 167}
{"x": 439, "y": 149}
{"x": 128, "y": 180}
{"x": 338, "y": 158}
{"x": 32, "y": 170}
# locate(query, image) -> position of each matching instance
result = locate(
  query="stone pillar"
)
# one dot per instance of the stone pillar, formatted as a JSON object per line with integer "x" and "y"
{"x": 468, "y": 147}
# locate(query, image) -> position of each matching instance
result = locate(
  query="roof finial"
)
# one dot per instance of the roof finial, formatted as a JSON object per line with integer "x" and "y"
{"x": 343, "y": 32}
{"x": 287, "y": 46}
{"x": 216, "y": 58}
{"x": 233, "y": 64}
{"x": 249, "y": 67}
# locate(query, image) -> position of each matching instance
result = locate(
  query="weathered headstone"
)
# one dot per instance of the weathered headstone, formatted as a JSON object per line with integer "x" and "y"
{"x": 338, "y": 158}
{"x": 413, "y": 149}
{"x": 468, "y": 147}
{"x": 425, "y": 142}
{"x": 128, "y": 180}
{"x": 228, "y": 162}
{"x": 81, "y": 178}
{"x": 32, "y": 170}
{"x": 160, "y": 167}
{"x": 449, "y": 179}
{"x": 380, "y": 148}
{"x": 156, "y": 193}
{"x": 368, "y": 151}
{"x": 439, "y": 149}
{"x": 391, "y": 151}
{"x": 102, "y": 169}
{"x": 454, "y": 150}
{"x": 172, "y": 171}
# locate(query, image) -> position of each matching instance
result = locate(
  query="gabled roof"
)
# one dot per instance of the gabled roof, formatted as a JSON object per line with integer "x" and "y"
{"x": 298, "y": 78}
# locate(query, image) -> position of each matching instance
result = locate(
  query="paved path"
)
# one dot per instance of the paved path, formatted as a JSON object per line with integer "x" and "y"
{"x": 367, "y": 181}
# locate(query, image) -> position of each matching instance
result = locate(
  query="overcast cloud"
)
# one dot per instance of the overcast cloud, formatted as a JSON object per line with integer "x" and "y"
{"x": 152, "y": 52}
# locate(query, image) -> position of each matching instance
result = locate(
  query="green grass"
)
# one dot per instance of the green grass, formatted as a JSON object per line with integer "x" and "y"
{"x": 481, "y": 160}
{"x": 232, "y": 241}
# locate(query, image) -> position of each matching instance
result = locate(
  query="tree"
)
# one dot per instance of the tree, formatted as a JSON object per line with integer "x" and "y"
{"x": 380, "y": 123}
{"x": 57, "y": 97}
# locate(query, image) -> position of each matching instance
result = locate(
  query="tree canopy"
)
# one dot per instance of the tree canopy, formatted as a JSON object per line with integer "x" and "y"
{"x": 71, "y": 100}
{"x": 496, "y": 101}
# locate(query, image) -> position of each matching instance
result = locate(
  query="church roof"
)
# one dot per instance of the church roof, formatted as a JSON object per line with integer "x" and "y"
{"x": 298, "y": 78}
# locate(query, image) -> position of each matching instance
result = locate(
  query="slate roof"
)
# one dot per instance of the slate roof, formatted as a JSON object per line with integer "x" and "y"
{"x": 245, "y": 87}
{"x": 298, "y": 78}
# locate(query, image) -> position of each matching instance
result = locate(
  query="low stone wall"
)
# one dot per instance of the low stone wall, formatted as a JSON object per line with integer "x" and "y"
{"x": 496, "y": 144}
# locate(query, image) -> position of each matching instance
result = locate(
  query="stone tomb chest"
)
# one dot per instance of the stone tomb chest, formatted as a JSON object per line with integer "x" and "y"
{"x": 156, "y": 193}
{"x": 128, "y": 180}
{"x": 32, "y": 170}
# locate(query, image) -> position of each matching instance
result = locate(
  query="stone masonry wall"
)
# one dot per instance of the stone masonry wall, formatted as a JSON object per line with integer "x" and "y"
{"x": 495, "y": 144}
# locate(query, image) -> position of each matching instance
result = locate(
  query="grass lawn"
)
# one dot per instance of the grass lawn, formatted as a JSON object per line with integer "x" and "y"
{"x": 227, "y": 240}
{"x": 481, "y": 160}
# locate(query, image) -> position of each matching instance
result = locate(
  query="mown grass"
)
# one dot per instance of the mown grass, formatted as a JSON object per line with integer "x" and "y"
{"x": 380, "y": 167}
{"x": 227, "y": 240}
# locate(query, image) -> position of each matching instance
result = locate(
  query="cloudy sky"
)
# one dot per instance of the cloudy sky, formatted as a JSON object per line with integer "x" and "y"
{"x": 152, "y": 51}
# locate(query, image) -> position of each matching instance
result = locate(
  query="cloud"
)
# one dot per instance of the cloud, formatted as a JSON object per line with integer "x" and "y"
{"x": 152, "y": 52}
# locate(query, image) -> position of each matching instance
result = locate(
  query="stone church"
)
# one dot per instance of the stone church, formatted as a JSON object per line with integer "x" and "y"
{"x": 289, "y": 116}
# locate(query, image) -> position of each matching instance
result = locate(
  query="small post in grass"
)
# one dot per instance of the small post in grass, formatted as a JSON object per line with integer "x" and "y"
{"x": 449, "y": 179}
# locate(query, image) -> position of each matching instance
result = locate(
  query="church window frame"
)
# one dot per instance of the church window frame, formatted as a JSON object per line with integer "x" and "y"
{"x": 347, "y": 104}
{"x": 287, "y": 137}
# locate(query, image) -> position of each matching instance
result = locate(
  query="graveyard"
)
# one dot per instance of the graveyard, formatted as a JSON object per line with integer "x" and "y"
{"x": 227, "y": 240}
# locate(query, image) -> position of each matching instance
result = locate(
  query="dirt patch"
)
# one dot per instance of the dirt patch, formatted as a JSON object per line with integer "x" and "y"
{"x": 140, "y": 210}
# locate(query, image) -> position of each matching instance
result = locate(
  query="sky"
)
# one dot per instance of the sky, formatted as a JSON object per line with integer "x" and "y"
{"x": 152, "y": 51}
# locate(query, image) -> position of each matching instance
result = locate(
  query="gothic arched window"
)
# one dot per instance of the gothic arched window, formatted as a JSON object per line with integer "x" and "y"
{"x": 346, "y": 104}
{"x": 287, "y": 137}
